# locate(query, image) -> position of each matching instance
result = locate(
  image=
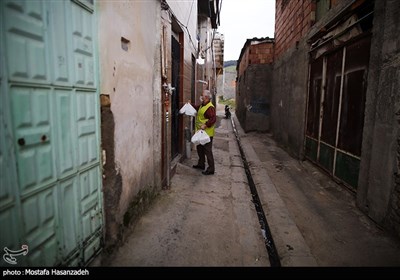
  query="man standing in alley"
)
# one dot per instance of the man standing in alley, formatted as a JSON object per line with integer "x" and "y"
{"x": 206, "y": 118}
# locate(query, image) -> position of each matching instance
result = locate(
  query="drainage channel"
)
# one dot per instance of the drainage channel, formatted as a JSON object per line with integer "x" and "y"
{"x": 269, "y": 242}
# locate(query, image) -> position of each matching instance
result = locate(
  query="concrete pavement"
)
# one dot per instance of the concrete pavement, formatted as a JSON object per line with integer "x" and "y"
{"x": 201, "y": 220}
{"x": 313, "y": 219}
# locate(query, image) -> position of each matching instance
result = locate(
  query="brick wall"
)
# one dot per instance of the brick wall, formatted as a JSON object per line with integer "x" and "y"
{"x": 261, "y": 53}
{"x": 293, "y": 20}
{"x": 256, "y": 53}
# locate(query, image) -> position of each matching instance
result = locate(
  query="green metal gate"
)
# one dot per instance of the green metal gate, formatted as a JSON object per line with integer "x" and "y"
{"x": 50, "y": 193}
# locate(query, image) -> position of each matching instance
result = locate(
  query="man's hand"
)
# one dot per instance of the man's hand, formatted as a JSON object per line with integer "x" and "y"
{"x": 203, "y": 126}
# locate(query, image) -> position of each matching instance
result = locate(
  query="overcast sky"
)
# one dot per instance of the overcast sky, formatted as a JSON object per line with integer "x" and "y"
{"x": 241, "y": 20}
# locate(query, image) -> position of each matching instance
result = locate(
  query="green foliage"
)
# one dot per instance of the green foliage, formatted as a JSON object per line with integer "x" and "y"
{"x": 230, "y": 63}
{"x": 230, "y": 69}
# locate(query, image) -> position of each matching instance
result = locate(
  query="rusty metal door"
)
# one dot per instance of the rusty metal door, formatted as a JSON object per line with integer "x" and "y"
{"x": 335, "y": 114}
{"x": 51, "y": 198}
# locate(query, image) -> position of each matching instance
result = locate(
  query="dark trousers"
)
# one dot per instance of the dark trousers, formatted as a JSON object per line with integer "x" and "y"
{"x": 206, "y": 151}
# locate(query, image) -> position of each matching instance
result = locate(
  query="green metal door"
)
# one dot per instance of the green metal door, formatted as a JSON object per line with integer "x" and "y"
{"x": 50, "y": 195}
{"x": 336, "y": 104}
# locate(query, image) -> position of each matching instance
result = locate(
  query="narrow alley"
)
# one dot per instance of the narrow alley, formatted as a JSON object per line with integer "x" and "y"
{"x": 204, "y": 221}
{"x": 96, "y": 162}
{"x": 201, "y": 220}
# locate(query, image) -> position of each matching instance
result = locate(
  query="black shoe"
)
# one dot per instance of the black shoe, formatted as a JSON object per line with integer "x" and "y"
{"x": 199, "y": 167}
{"x": 207, "y": 172}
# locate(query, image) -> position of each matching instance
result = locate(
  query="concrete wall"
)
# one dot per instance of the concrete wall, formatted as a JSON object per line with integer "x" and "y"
{"x": 289, "y": 98}
{"x": 379, "y": 183}
{"x": 253, "y": 98}
{"x": 290, "y": 75}
{"x": 130, "y": 79}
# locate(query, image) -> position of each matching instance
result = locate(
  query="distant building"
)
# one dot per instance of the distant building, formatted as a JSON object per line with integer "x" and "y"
{"x": 253, "y": 90}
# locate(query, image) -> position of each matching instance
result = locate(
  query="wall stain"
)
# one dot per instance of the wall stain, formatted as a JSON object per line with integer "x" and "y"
{"x": 116, "y": 231}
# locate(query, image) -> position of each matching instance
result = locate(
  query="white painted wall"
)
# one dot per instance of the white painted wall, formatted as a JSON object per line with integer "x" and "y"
{"x": 130, "y": 79}
{"x": 186, "y": 13}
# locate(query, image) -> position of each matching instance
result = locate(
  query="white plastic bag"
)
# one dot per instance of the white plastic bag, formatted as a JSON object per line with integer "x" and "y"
{"x": 183, "y": 109}
{"x": 188, "y": 109}
{"x": 200, "y": 137}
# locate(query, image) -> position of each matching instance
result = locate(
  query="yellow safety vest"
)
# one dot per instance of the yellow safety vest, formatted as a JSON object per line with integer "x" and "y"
{"x": 200, "y": 119}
